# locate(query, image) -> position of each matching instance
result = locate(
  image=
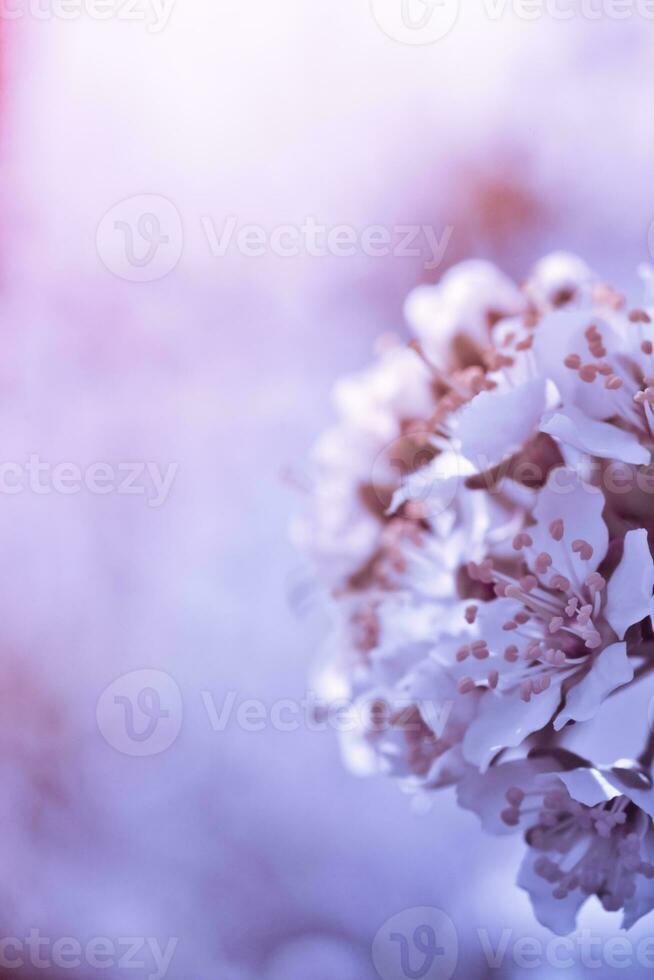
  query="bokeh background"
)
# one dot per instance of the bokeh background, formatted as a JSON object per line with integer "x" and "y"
{"x": 256, "y": 851}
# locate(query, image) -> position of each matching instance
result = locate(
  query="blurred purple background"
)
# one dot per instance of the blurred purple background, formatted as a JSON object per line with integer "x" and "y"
{"x": 255, "y": 850}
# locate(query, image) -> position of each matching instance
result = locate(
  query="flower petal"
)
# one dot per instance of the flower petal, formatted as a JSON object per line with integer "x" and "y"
{"x": 572, "y": 427}
{"x": 557, "y": 914}
{"x": 435, "y": 485}
{"x": 610, "y": 670}
{"x": 589, "y": 786}
{"x": 642, "y": 901}
{"x": 557, "y": 273}
{"x": 622, "y": 781}
{"x": 485, "y": 794}
{"x": 630, "y": 589}
{"x": 580, "y": 507}
{"x": 460, "y": 304}
{"x": 505, "y": 720}
{"x": 560, "y": 333}
{"x": 618, "y": 730}
{"x": 358, "y": 756}
{"x": 496, "y": 424}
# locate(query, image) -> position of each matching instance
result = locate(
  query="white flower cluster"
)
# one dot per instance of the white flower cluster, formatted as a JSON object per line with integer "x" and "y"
{"x": 482, "y": 518}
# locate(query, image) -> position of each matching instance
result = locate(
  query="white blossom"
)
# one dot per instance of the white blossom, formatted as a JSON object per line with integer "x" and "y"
{"x": 501, "y": 587}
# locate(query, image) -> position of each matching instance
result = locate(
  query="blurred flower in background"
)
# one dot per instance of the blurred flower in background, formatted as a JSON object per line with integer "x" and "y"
{"x": 291, "y": 174}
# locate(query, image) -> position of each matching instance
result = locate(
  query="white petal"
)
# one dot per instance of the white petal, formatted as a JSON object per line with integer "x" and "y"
{"x": 580, "y": 506}
{"x": 559, "y": 915}
{"x": 643, "y": 798}
{"x": 556, "y": 272}
{"x": 498, "y": 423}
{"x": 397, "y": 385}
{"x": 359, "y": 757}
{"x": 618, "y": 730}
{"x": 630, "y": 589}
{"x": 490, "y": 620}
{"x": 436, "y": 484}
{"x": 589, "y": 786}
{"x": 610, "y": 670}
{"x": 460, "y": 303}
{"x": 484, "y": 794}
{"x": 403, "y": 622}
{"x": 570, "y": 426}
{"x": 643, "y": 900}
{"x": 504, "y": 721}
{"x": 561, "y": 333}
{"x": 448, "y": 770}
